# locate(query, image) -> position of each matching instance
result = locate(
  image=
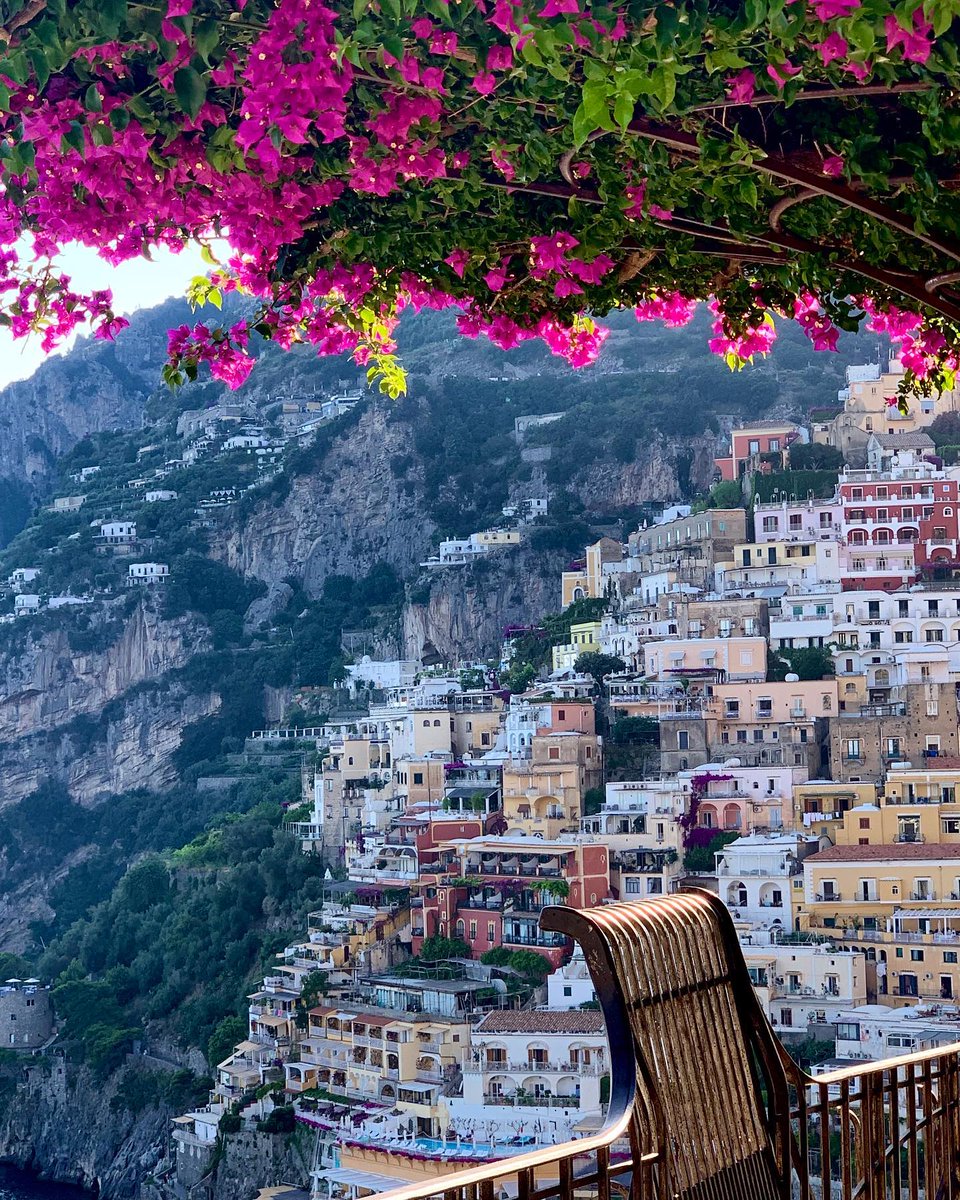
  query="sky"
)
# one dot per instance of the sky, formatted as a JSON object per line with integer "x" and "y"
{"x": 135, "y": 284}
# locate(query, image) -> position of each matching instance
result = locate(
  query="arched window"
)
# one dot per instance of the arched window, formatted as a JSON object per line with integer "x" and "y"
{"x": 737, "y": 894}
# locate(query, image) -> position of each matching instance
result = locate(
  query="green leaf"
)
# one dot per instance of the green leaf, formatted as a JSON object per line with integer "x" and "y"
{"x": 664, "y": 82}
{"x": 206, "y": 36}
{"x": 623, "y": 110}
{"x": 101, "y": 134}
{"x": 91, "y": 99}
{"x": 191, "y": 90}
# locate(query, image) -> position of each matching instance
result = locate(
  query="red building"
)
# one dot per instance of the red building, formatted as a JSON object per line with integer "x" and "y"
{"x": 489, "y": 891}
{"x": 750, "y": 443}
{"x": 896, "y": 528}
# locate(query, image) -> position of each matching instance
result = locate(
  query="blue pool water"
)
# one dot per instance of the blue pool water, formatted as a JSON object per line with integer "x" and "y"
{"x": 436, "y": 1146}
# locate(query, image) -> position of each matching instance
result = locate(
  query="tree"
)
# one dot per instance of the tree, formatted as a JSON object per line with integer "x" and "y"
{"x": 815, "y": 458}
{"x": 810, "y": 662}
{"x": 529, "y": 162}
{"x": 228, "y": 1033}
{"x": 726, "y": 494}
{"x": 599, "y": 666}
{"x": 945, "y": 429}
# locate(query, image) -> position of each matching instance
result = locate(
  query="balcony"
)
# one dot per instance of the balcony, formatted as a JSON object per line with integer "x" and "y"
{"x": 760, "y": 1126}
{"x": 827, "y": 897}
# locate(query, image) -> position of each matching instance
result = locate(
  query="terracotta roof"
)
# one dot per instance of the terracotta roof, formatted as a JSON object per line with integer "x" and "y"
{"x": 587, "y": 1021}
{"x": 900, "y": 852}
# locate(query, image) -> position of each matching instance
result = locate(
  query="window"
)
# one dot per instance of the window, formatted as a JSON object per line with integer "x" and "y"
{"x": 561, "y": 714}
{"x": 786, "y": 1017}
{"x": 754, "y": 446}
{"x": 774, "y": 443}
{"x": 933, "y": 608}
{"x": 418, "y": 777}
{"x": 848, "y": 1031}
{"x": 683, "y": 742}
{"x": 769, "y": 524}
{"x": 553, "y": 752}
{"x": 864, "y": 822}
{"x": 903, "y": 635}
{"x": 796, "y": 521}
{"x": 473, "y": 931}
{"x": 491, "y": 931}
{"x": 903, "y": 608}
{"x": 853, "y": 747}
{"x": 934, "y": 635}
{"x": 949, "y": 956}
{"x": 567, "y": 990}
{"x": 916, "y": 956}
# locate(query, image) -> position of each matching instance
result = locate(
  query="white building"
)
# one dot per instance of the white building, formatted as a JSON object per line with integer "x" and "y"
{"x": 873, "y": 1031}
{"x": 542, "y": 1069}
{"x": 801, "y": 985}
{"x": 570, "y": 986}
{"x": 760, "y": 876}
{"x": 368, "y": 672}
{"x": 68, "y": 601}
{"x": 67, "y": 503}
{"x": 160, "y": 496}
{"x": 21, "y": 576}
{"x": 26, "y": 602}
{"x": 147, "y": 572}
{"x": 118, "y": 533}
{"x": 800, "y": 520}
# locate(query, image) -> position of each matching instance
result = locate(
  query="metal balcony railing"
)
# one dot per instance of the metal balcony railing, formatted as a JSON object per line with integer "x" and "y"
{"x": 729, "y": 1116}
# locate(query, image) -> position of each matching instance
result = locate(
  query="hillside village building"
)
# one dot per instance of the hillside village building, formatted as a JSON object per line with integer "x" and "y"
{"x": 784, "y": 733}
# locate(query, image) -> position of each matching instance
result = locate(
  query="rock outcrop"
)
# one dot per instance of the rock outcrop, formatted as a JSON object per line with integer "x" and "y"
{"x": 349, "y": 512}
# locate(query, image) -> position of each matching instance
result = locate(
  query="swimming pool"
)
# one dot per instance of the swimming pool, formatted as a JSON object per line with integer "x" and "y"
{"x": 436, "y": 1146}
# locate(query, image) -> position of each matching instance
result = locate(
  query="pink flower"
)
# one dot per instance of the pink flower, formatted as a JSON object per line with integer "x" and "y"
{"x": 503, "y": 165}
{"x": 859, "y": 70}
{"x": 497, "y": 277}
{"x": 549, "y": 253}
{"x": 422, "y": 27}
{"x": 662, "y": 214}
{"x": 672, "y": 309}
{"x": 832, "y": 47}
{"x": 457, "y": 261}
{"x": 566, "y": 287}
{"x": 484, "y": 83}
{"x": 832, "y": 165}
{"x": 831, "y": 10}
{"x": 443, "y": 43}
{"x": 499, "y": 58}
{"x": 581, "y": 170}
{"x": 916, "y": 43}
{"x": 742, "y": 87}
{"x": 559, "y": 8}
{"x": 781, "y": 73}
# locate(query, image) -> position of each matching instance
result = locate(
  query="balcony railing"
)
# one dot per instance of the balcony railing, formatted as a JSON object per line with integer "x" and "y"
{"x": 728, "y": 1116}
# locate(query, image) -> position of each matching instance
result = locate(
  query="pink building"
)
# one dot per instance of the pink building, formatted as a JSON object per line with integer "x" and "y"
{"x": 750, "y": 442}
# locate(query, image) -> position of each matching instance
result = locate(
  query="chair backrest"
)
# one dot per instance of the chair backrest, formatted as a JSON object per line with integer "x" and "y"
{"x": 711, "y": 1091}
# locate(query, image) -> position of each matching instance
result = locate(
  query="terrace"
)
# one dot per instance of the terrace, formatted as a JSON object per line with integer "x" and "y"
{"x": 736, "y": 1118}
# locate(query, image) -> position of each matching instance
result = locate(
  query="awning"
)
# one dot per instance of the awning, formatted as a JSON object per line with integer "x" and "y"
{"x": 275, "y": 1022}
{"x": 244, "y": 1047}
{"x": 926, "y": 914}
{"x": 361, "y": 1179}
{"x": 183, "y": 1120}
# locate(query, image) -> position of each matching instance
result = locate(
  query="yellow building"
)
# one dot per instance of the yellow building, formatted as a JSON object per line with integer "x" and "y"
{"x": 587, "y": 579}
{"x": 899, "y": 903}
{"x": 584, "y": 639}
{"x": 497, "y": 537}
{"x": 819, "y": 806}
{"x": 543, "y": 795}
{"x": 380, "y": 1056}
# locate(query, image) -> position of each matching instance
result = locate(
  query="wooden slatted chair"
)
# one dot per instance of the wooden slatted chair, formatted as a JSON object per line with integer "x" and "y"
{"x": 705, "y": 1103}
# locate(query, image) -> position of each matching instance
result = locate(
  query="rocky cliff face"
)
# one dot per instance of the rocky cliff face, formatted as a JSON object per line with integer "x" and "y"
{"x": 44, "y": 683}
{"x": 61, "y": 1124}
{"x": 468, "y": 606}
{"x": 348, "y": 513}
{"x": 66, "y": 1124}
{"x": 128, "y": 750}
